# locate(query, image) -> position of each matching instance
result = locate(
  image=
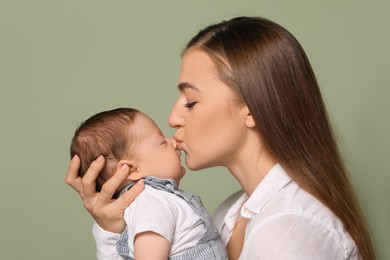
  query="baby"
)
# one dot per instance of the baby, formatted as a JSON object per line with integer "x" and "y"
{"x": 163, "y": 222}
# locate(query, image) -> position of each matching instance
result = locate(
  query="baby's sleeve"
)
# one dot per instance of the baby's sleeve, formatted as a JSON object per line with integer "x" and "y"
{"x": 151, "y": 211}
{"x": 105, "y": 243}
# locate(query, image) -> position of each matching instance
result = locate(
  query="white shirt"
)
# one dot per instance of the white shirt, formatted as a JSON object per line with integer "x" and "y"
{"x": 286, "y": 222}
{"x": 161, "y": 212}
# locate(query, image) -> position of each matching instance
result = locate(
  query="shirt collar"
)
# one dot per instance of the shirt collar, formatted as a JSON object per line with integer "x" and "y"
{"x": 233, "y": 214}
{"x": 272, "y": 183}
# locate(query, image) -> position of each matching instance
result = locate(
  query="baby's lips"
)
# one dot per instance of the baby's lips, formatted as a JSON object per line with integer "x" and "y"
{"x": 179, "y": 152}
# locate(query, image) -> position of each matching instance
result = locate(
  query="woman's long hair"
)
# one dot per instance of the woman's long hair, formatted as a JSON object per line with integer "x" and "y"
{"x": 267, "y": 68}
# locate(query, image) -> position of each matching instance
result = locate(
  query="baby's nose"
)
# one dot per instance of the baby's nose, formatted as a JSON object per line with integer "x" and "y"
{"x": 173, "y": 142}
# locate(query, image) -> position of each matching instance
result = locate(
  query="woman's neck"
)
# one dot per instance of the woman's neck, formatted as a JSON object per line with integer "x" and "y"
{"x": 250, "y": 168}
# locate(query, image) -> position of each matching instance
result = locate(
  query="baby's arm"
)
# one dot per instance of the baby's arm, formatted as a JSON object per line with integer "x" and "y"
{"x": 151, "y": 222}
{"x": 150, "y": 245}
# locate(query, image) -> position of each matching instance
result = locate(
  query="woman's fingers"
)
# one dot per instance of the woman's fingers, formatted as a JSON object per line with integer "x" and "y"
{"x": 128, "y": 197}
{"x": 72, "y": 178}
{"x": 109, "y": 214}
{"x": 89, "y": 178}
{"x": 111, "y": 185}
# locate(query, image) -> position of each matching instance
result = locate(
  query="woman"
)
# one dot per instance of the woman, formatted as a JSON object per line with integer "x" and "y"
{"x": 249, "y": 101}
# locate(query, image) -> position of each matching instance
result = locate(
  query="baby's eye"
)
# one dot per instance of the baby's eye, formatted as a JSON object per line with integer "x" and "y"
{"x": 164, "y": 141}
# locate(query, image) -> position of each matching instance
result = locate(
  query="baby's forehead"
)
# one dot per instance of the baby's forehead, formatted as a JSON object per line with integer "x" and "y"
{"x": 143, "y": 126}
{"x": 146, "y": 121}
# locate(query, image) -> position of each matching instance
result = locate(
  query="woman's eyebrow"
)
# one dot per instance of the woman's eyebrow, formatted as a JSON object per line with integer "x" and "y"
{"x": 185, "y": 85}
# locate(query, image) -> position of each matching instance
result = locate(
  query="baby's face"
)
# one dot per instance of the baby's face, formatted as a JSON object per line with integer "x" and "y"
{"x": 155, "y": 154}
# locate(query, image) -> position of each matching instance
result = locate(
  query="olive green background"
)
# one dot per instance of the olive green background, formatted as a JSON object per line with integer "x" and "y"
{"x": 62, "y": 61}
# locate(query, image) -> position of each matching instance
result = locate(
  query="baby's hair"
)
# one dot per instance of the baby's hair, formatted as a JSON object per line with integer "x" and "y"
{"x": 107, "y": 133}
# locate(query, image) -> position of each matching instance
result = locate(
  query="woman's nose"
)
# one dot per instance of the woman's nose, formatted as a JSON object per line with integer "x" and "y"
{"x": 175, "y": 120}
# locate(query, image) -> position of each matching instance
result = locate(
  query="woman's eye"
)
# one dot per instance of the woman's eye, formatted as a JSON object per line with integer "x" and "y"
{"x": 190, "y": 104}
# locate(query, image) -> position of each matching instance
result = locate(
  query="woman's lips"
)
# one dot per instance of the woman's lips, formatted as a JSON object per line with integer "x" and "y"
{"x": 178, "y": 143}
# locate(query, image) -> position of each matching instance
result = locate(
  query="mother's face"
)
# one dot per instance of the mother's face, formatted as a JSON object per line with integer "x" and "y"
{"x": 210, "y": 126}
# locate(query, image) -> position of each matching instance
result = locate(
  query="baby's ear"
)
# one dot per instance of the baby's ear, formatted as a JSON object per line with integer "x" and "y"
{"x": 134, "y": 172}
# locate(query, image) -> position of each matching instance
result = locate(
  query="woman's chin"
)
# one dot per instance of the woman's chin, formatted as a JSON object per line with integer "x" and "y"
{"x": 194, "y": 166}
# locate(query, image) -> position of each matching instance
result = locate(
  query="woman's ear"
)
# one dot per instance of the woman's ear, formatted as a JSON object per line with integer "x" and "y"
{"x": 249, "y": 122}
{"x": 134, "y": 171}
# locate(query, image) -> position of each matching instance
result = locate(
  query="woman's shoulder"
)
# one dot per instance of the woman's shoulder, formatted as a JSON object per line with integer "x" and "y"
{"x": 292, "y": 204}
{"x": 293, "y": 201}
{"x": 306, "y": 234}
{"x": 294, "y": 216}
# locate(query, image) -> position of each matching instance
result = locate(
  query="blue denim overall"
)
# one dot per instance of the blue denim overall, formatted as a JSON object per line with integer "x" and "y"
{"x": 209, "y": 247}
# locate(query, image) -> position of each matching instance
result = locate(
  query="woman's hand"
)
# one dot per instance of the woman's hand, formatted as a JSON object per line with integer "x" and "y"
{"x": 107, "y": 212}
